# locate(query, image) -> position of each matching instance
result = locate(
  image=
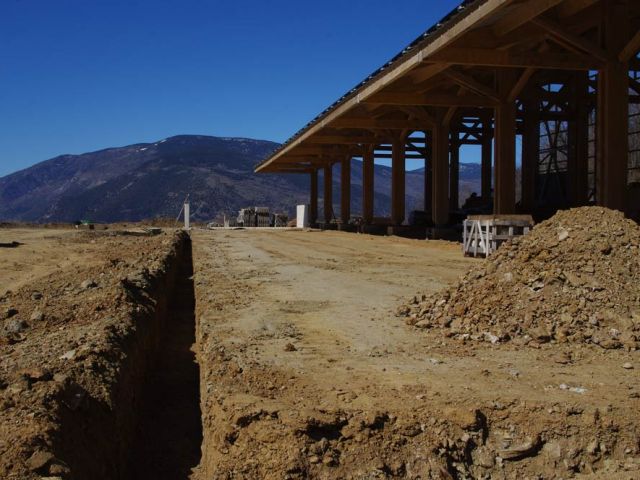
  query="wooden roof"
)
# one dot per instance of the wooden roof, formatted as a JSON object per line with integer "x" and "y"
{"x": 453, "y": 66}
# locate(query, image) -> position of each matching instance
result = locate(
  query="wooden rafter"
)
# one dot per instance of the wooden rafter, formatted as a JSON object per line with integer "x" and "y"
{"x": 435, "y": 100}
{"x": 471, "y": 83}
{"x": 424, "y": 73}
{"x": 631, "y": 48}
{"x": 343, "y": 139}
{"x": 419, "y": 114}
{"x": 522, "y": 81}
{"x": 501, "y": 58}
{"x": 523, "y": 14}
{"x": 367, "y": 123}
{"x": 572, "y": 7}
{"x": 559, "y": 31}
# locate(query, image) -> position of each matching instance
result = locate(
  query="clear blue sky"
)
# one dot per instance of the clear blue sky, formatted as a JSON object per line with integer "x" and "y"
{"x": 81, "y": 75}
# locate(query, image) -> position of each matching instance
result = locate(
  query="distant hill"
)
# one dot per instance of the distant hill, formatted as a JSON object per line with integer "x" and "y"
{"x": 149, "y": 180}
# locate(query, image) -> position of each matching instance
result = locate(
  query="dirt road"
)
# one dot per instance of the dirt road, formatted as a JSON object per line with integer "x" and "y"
{"x": 306, "y": 372}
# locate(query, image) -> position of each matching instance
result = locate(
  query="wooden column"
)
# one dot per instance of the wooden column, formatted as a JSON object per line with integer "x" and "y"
{"x": 328, "y": 193}
{"x": 578, "y": 136}
{"x": 397, "y": 181}
{"x": 454, "y": 173}
{"x": 613, "y": 110}
{"x": 530, "y": 152}
{"x": 345, "y": 191}
{"x": 368, "y": 185}
{"x": 440, "y": 183}
{"x": 487, "y": 156}
{"x": 313, "y": 200}
{"x": 505, "y": 141}
{"x": 428, "y": 171}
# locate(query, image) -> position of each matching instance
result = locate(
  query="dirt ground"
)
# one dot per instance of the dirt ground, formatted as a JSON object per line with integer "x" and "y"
{"x": 307, "y": 373}
{"x": 39, "y": 252}
{"x": 81, "y": 313}
{"x": 303, "y": 368}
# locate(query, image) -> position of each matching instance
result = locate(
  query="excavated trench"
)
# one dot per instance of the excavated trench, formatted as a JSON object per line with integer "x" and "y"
{"x": 152, "y": 427}
{"x": 169, "y": 431}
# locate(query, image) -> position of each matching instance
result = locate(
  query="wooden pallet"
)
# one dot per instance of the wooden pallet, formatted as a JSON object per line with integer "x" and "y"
{"x": 483, "y": 234}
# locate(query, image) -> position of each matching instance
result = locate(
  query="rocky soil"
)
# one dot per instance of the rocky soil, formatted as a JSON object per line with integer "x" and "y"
{"x": 574, "y": 279}
{"x": 304, "y": 371}
{"x": 306, "y": 374}
{"x": 65, "y": 343}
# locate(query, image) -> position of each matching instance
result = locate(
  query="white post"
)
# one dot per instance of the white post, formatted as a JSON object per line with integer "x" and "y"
{"x": 186, "y": 215}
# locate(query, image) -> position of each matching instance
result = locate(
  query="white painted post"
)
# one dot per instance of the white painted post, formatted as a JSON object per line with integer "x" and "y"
{"x": 186, "y": 215}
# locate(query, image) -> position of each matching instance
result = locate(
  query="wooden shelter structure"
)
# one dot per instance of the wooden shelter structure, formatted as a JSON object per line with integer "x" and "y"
{"x": 563, "y": 75}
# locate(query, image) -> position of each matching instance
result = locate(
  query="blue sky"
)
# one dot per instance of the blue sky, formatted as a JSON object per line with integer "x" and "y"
{"x": 81, "y": 75}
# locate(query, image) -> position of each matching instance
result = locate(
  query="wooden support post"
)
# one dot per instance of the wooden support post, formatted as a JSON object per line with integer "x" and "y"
{"x": 505, "y": 139}
{"x": 328, "y": 193}
{"x": 454, "y": 173}
{"x": 613, "y": 110}
{"x": 428, "y": 171}
{"x": 578, "y": 136}
{"x": 367, "y": 185}
{"x": 345, "y": 191}
{"x": 313, "y": 200}
{"x": 397, "y": 181}
{"x": 440, "y": 183}
{"x": 530, "y": 152}
{"x": 487, "y": 156}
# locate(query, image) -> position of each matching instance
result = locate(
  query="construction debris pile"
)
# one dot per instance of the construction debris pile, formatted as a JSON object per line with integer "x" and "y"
{"x": 573, "y": 279}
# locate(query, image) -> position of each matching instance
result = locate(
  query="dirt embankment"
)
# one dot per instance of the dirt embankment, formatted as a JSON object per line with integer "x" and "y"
{"x": 77, "y": 348}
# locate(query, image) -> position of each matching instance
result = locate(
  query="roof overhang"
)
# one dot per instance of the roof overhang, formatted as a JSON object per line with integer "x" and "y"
{"x": 451, "y": 67}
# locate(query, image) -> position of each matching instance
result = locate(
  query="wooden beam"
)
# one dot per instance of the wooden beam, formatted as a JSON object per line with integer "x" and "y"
{"x": 522, "y": 81}
{"x": 572, "y": 7}
{"x": 557, "y": 30}
{"x": 530, "y": 152}
{"x": 487, "y": 156}
{"x": 454, "y": 176}
{"x": 440, "y": 176}
{"x": 631, "y": 48}
{"x": 327, "y": 181}
{"x": 433, "y": 100}
{"x": 505, "y": 149}
{"x": 367, "y": 186}
{"x": 503, "y": 58}
{"x": 345, "y": 190}
{"x": 522, "y": 14}
{"x": 367, "y": 123}
{"x": 319, "y": 149}
{"x": 398, "y": 182}
{"x": 613, "y": 112}
{"x": 419, "y": 113}
{"x": 313, "y": 197}
{"x": 425, "y": 72}
{"x": 343, "y": 140}
{"x": 471, "y": 83}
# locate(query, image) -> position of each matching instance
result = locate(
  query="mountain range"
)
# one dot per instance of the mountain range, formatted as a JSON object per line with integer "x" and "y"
{"x": 151, "y": 180}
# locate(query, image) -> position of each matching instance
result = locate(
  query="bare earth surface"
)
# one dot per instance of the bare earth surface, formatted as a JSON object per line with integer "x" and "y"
{"x": 304, "y": 370}
{"x": 307, "y": 373}
{"x": 41, "y": 252}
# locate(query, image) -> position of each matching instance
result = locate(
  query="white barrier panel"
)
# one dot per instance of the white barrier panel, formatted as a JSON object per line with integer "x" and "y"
{"x": 302, "y": 216}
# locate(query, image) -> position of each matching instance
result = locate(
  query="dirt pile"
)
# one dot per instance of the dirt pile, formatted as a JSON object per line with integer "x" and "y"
{"x": 573, "y": 279}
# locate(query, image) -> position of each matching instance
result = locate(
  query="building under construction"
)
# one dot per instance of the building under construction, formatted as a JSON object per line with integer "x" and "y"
{"x": 558, "y": 79}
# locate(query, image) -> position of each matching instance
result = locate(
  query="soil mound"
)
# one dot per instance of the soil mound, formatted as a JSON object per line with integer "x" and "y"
{"x": 575, "y": 278}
